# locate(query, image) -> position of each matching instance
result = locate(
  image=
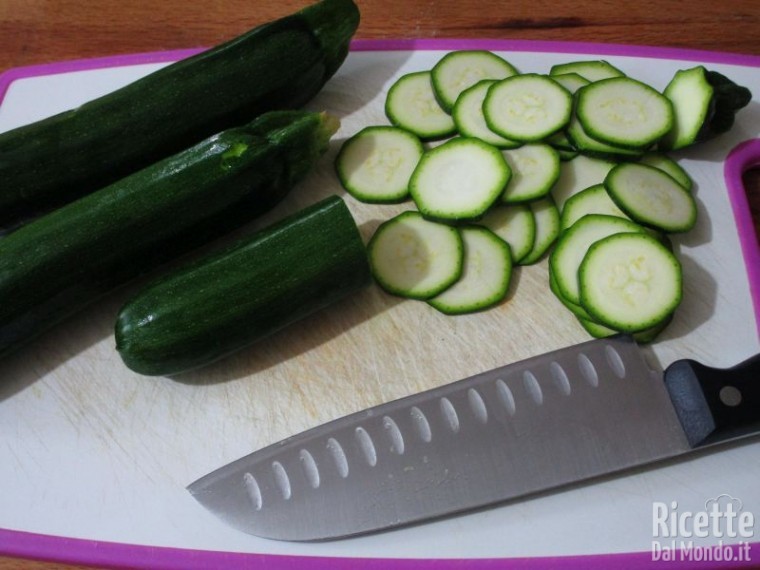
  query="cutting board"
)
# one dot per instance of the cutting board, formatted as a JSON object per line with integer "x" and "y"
{"x": 94, "y": 459}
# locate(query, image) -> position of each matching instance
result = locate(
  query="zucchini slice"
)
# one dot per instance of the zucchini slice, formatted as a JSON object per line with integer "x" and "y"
{"x": 527, "y": 107}
{"x": 375, "y": 165}
{"x": 577, "y": 310}
{"x": 546, "y": 216}
{"x": 485, "y": 278}
{"x": 278, "y": 65}
{"x": 593, "y": 70}
{"x": 415, "y": 258}
{"x": 535, "y": 169}
{"x": 469, "y": 119}
{"x": 691, "y": 95}
{"x": 642, "y": 337}
{"x": 459, "y": 70}
{"x": 630, "y": 282}
{"x": 668, "y": 166}
{"x": 705, "y": 104}
{"x": 572, "y": 82}
{"x": 590, "y": 146}
{"x": 652, "y": 197}
{"x": 228, "y": 300}
{"x": 59, "y": 263}
{"x": 573, "y": 244}
{"x": 624, "y": 112}
{"x": 516, "y": 225}
{"x": 578, "y": 174}
{"x": 592, "y": 200}
{"x": 411, "y": 105}
{"x": 459, "y": 180}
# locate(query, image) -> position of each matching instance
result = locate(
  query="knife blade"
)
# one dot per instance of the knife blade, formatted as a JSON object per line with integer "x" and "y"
{"x": 564, "y": 417}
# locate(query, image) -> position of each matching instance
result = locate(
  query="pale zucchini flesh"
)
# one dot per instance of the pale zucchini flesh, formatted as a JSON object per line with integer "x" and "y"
{"x": 624, "y": 112}
{"x": 375, "y": 165}
{"x": 459, "y": 70}
{"x": 515, "y": 225}
{"x": 485, "y": 278}
{"x": 535, "y": 169}
{"x": 411, "y": 104}
{"x": 572, "y": 246}
{"x": 546, "y": 216}
{"x": 651, "y": 197}
{"x": 572, "y": 82}
{"x": 630, "y": 282}
{"x": 668, "y": 166}
{"x": 578, "y": 174}
{"x": 592, "y": 200}
{"x": 528, "y": 107}
{"x": 469, "y": 119}
{"x": 415, "y": 258}
{"x": 588, "y": 145}
{"x": 459, "y": 180}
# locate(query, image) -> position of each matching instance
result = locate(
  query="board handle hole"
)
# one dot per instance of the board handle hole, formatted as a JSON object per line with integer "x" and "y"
{"x": 730, "y": 396}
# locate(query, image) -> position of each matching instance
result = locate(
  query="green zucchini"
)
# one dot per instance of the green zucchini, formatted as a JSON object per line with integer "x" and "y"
{"x": 279, "y": 65}
{"x": 61, "y": 262}
{"x": 229, "y": 300}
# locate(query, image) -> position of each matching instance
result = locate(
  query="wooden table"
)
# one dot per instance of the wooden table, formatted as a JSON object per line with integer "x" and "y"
{"x": 40, "y": 31}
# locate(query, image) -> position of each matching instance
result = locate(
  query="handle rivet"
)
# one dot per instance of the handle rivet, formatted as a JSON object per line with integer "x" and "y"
{"x": 730, "y": 396}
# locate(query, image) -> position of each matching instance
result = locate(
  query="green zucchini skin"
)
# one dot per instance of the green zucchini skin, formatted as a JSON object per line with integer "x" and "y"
{"x": 227, "y": 301}
{"x": 56, "y": 265}
{"x": 279, "y": 65}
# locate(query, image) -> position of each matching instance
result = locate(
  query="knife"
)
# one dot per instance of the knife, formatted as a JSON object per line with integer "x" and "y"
{"x": 563, "y": 417}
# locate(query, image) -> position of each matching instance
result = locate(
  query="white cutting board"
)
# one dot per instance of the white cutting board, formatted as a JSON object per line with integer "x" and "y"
{"x": 90, "y": 450}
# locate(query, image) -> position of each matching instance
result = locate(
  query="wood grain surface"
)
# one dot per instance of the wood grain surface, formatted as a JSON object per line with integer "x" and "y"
{"x": 41, "y": 31}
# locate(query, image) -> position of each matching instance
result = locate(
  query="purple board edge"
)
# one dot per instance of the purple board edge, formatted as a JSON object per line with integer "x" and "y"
{"x": 117, "y": 555}
{"x": 743, "y": 157}
{"x": 23, "y": 544}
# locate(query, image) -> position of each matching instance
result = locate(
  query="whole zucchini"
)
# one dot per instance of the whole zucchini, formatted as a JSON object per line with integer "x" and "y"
{"x": 279, "y": 65}
{"x": 61, "y": 262}
{"x": 229, "y": 300}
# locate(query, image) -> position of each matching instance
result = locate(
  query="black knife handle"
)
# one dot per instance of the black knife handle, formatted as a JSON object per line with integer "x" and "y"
{"x": 714, "y": 404}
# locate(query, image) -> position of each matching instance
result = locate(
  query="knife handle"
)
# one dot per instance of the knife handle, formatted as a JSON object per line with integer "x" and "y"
{"x": 715, "y": 405}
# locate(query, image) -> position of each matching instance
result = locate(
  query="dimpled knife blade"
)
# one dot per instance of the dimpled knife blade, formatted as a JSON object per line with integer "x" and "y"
{"x": 555, "y": 419}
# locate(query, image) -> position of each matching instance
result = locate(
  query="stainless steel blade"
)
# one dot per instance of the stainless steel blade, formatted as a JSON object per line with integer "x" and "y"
{"x": 559, "y": 418}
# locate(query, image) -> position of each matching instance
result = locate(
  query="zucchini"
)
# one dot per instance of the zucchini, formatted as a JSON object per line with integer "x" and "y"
{"x": 623, "y": 112}
{"x": 487, "y": 272}
{"x": 469, "y": 119}
{"x": 535, "y": 169}
{"x": 572, "y": 82}
{"x": 527, "y": 108}
{"x": 231, "y": 299}
{"x": 415, "y": 258}
{"x": 592, "y": 147}
{"x": 651, "y": 197}
{"x": 375, "y": 164}
{"x": 575, "y": 242}
{"x": 593, "y": 200}
{"x": 630, "y": 282}
{"x": 279, "y": 65}
{"x": 63, "y": 261}
{"x": 458, "y": 70}
{"x": 546, "y": 218}
{"x": 594, "y": 70}
{"x": 668, "y": 166}
{"x": 705, "y": 104}
{"x": 459, "y": 180}
{"x": 411, "y": 104}
{"x": 516, "y": 225}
